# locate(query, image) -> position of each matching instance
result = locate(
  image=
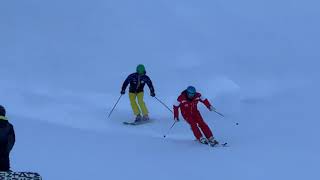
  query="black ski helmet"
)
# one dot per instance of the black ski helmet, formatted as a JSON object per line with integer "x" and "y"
{"x": 2, "y": 111}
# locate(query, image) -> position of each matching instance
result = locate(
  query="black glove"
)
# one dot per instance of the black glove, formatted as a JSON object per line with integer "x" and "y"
{"x": 152, "y": 94}
{"x": 122, "y": 92}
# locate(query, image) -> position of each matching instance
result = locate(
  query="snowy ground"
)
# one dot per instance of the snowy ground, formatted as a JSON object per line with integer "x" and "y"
{"x": 63, "y": 63}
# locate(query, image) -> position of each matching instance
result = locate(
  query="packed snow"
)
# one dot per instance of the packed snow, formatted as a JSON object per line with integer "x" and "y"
{"x": 63, "y": 63}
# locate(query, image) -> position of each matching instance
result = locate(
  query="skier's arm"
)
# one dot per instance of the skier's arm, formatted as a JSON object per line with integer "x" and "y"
{"x": 125, "y": 83}
{"x": 11, "y": 139}
{"x": 150, "y": 85}
{"x": 206, "y": 102}
{"x": 176, "y": 110}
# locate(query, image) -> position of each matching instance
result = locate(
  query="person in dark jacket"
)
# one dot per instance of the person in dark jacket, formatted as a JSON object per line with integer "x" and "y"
{"x": 7, "y": 140}
{"x": 137, "y": 82}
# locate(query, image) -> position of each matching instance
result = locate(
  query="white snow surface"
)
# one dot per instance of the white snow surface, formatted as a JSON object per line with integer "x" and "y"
{"x": 63, "y": 63}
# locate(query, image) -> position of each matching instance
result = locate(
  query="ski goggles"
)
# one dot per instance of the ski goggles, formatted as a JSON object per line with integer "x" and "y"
{"x": 191, "y": 94}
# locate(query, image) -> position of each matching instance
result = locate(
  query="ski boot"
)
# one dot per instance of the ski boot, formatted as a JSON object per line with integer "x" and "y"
{"x": 138, "y": 119}
{"x": 145, "y": 117}
{"x": 212, "y": 141}
{"x": 203, "y": 140}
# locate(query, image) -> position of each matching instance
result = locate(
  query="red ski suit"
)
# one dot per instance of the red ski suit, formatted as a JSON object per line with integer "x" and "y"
{"x": 191, "y": 114}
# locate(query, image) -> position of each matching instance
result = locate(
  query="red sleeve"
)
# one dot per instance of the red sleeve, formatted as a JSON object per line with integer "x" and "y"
{"x": 205, "y": 101}
{"x": 176, "y": 109}
{"x": 176, "y": 112}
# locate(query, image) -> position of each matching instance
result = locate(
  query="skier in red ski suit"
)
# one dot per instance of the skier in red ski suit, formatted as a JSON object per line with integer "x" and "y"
{"x": 187, "y": 102}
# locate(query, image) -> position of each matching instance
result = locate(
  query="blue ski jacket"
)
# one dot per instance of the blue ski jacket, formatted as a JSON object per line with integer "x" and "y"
{"x": 137, "y": 83}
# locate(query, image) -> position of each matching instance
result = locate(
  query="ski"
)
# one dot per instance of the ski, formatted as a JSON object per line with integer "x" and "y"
{"x": 130, "y": 123}
{"x": 136, "y": 123}
{"x": 10, "y": 175}
{"x": 215, "y": 145}
{"x": 219, "y": 145}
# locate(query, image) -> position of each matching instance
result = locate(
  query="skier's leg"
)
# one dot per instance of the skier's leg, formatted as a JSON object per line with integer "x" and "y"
{"x": 204, "y": 127}
{"x": 4, "y": 163}
{"x": 142, "y": 104}
{"x": 195, "y": 129}
{"x": 134, "y": 106}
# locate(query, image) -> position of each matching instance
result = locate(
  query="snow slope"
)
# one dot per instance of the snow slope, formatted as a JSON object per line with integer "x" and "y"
{"x": 63, "y": 63}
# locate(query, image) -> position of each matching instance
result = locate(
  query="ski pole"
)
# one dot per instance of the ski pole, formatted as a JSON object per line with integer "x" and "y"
{"x": 171, "y": 112}
{"x": 114, "y": 106}
{"x": 170, "y": 129}
{"x": 219, "y": 113}
{"x": 164, "y": 104}
{"x": 224, "y": 116}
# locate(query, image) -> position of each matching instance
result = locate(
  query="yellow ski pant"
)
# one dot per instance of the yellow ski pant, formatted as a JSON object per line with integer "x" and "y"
{"x": 134, "y": 105}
